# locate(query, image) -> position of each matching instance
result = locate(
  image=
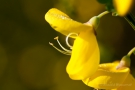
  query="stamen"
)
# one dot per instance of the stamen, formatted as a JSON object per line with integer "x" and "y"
{"x": 64, "y": 52}
{"x": 67, "y": 39}
{"x": 56, "y": 38}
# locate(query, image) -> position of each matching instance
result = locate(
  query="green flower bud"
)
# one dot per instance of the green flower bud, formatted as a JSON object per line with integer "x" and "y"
{"x": 125, "y": 62}
{"x": 95, "y": 22}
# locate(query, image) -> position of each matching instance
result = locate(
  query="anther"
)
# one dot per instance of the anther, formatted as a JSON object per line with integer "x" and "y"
{"x": 56, "y": 38}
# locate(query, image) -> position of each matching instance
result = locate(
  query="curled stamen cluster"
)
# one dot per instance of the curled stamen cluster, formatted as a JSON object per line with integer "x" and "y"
{"x": 64, "y": 51}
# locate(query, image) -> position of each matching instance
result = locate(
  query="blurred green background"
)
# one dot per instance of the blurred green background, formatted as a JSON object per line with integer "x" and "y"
{"x": 28, "y": 62}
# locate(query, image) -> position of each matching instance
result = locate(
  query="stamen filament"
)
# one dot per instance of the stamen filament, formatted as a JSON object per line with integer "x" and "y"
{"x": 56, "y": 38}
{"x": 67, "y": 39}
{"x": 64, "y": 52}
{"x": 102, "y": 14}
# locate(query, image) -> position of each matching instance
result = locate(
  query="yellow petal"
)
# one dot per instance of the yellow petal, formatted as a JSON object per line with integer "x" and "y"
{"x": 129, "y": 84}
{"x": 123, "y": 6}
{"x": 85, "y": 56}
{"x": 107, "y": 77}
{"x": 63, "y": 23}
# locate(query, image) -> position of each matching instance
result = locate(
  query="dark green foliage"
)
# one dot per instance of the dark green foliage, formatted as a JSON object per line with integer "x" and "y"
{"x": 104, "y": 1}
{"x": 108, "y": 4}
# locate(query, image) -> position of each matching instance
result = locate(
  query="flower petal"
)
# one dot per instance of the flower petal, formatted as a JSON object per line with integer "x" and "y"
{"x": 107, "y": 77}
{"x": 63, "y": 23}
{"x": 85, "y": 56}
{"x": 129, "y": 83}
{"x": 123, "y": 6}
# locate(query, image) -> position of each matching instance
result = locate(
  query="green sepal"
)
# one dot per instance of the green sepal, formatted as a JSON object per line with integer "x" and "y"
{"x": 125, "y": 62}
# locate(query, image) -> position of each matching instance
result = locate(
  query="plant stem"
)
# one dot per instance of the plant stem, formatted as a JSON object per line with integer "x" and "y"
{"x": 131, "y": 20}
{"x": 103, "y": 13}
{"x": 131, "y": 51}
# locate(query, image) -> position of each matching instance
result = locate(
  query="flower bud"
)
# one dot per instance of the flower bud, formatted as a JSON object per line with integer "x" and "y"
{"x": 125, "y": 62}
{"x": 94, "y": 21}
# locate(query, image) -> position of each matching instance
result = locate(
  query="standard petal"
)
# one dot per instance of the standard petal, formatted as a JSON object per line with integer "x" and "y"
{"x": 63, "y": 23}
{"x": 85, "y": 56}
{"x": 107, "y": 77}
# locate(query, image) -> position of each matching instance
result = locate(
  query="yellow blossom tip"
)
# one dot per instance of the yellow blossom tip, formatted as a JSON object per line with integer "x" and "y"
{"x": 63, "y": 23}
{"x": 123, "y": 6}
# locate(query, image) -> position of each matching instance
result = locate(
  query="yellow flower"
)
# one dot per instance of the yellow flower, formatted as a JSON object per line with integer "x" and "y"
{"x": 85, "y": 56}
{"x": 108, "y": 77}
{"x": 123, "y": 6}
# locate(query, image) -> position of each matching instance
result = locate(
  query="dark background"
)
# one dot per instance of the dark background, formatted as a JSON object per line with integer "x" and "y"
{"x": 28, "y": 62}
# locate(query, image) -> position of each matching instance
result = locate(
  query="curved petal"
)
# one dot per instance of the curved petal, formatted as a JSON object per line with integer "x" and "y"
{"x": 63, "y": 23}
{"x": 129, "y": 84}
{"x": 85, "y": 56}
{"x": 123, "y": 6}
{"x": 107, "y": 77}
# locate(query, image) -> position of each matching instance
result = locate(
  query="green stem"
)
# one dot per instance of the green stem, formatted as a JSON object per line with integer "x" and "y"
{"x": 131, "y": 51}
{"x": 103, "y": 13}
{"x": 131, "y": 20}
